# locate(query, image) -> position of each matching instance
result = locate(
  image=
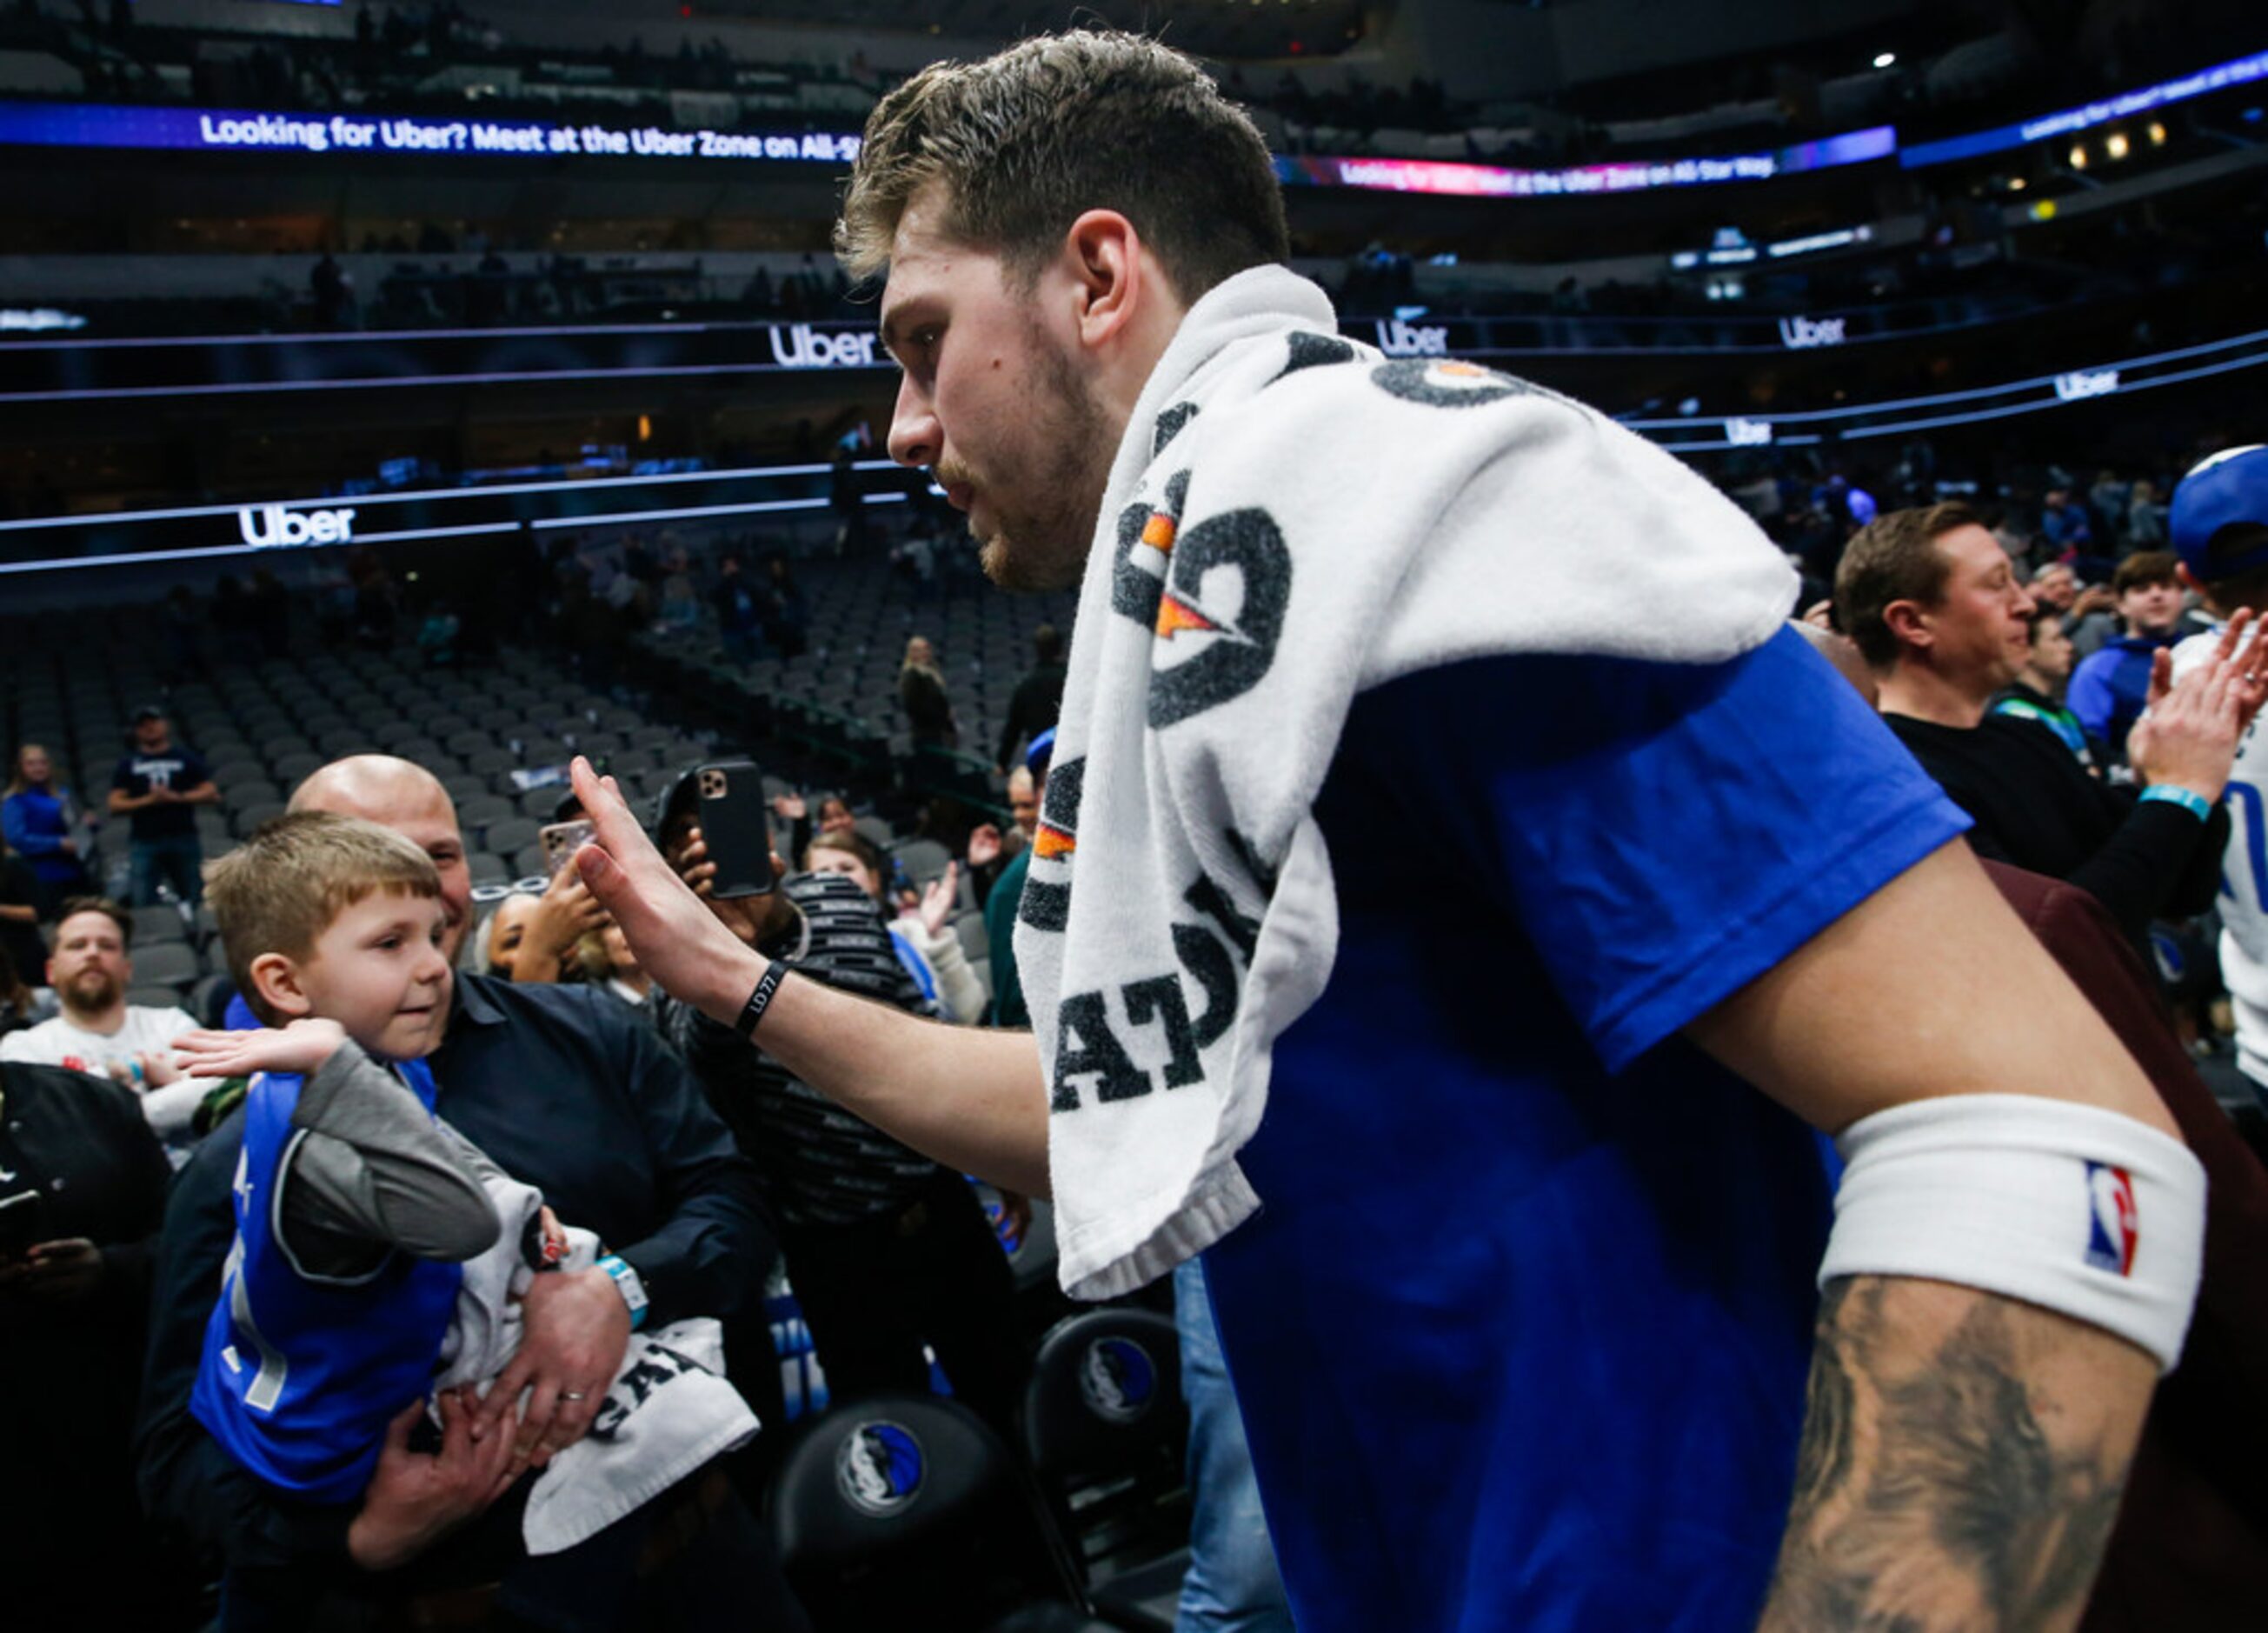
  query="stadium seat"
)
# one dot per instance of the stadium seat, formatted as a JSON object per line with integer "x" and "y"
{"x": 924, "y": 859}
{"x": 256, "y": 790}
{"x": 530, "y": 863}
{"x": 170, "y": 964}
{"x": 487, "y": 869}
{"x": 251, "y": 817}
{"x": 154, "y": 926}
{"x": 475, "y": 811}
{"x": 154, "y": 998}
{"x": 209, "y": 998}
{"x": 1105, "y": 1431}
{"x": 509, "y": 835}
{"x": 906, "y": 1511}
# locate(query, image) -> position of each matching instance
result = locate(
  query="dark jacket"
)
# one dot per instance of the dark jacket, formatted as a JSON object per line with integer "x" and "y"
{"x": 2191, "y": 1547}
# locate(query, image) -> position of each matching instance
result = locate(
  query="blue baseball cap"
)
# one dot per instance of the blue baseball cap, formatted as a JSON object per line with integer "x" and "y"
{"x": 2229, "y": 488}
{"x": 1041, "y": 751}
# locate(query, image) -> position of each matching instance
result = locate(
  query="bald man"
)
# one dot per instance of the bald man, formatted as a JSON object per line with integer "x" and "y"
{"x": 563, "y": 1087}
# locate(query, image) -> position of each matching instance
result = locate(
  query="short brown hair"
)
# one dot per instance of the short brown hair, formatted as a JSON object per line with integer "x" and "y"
{"x": 1029, "y": 140}
{"x": 74, "y": 906}
{"x": 868, "y": 853}
{"x": 280, "y": 890}
{"x": 2146, "y": 567}
{"x": 1894, "y": 557}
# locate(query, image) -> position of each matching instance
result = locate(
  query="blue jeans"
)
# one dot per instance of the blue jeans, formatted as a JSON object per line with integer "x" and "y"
{"x": 178, "y": 860}
{"x": 1232, "y": 1586}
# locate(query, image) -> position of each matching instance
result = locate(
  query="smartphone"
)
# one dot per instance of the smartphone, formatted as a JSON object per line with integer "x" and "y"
{"x": 561, "y": 840}
{"x": 736, "y": 826}
{"x": 23, "y": 1223}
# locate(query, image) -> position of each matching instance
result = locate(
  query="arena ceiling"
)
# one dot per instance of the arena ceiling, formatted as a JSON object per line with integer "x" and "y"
{"x": 1234, "y": 29}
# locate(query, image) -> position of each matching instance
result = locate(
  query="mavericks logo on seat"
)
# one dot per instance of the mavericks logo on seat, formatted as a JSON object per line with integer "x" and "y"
{"x": 879, "y": 1468}
{"x": 1118, "y": 1379}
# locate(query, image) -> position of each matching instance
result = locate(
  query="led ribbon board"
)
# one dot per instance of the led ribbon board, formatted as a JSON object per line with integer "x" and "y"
{"x": 1462, "y": 181}
{"x": 1857, "y": 422}
{"x": 225, "y": 131}
{"x": 196, "y": 532}
{"x": 212, "y": 532}
{"x": 2236, "y": 71}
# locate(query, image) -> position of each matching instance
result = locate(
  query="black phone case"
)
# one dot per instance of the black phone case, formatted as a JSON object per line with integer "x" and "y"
{"x": 735, "y": 827}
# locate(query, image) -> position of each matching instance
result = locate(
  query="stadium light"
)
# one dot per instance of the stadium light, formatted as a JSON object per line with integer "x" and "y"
{"x": 1886, "y": 59}
{"x": 2157, "y": 134}
{"x": 2078, "y": 156}
{"x": 2115, "y": 144}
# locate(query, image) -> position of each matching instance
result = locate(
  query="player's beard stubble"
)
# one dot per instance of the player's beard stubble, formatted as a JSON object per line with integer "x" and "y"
{"x": 1042, "y": 498}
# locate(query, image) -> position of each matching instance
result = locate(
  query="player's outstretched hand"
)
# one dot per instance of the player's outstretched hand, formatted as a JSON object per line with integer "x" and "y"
{"x": 302, "y": 1046}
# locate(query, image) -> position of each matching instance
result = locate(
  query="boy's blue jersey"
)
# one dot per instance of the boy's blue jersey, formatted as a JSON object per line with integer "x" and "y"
{"x": 1521, "y": 1329}
{"x": 301, "y": 1374}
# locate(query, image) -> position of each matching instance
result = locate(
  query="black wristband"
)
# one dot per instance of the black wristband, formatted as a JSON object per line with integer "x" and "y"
{"x": 760, "y": 1000}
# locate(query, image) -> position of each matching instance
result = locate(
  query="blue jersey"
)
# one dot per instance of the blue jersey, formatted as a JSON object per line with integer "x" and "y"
{"x": 301, "y": 1374}
{"x": 1521, "y": 1331}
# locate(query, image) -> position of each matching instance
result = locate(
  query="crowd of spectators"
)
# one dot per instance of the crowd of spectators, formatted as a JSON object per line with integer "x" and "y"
{"x": 2019, "y": 648}
{"x": 698, "y": 1162}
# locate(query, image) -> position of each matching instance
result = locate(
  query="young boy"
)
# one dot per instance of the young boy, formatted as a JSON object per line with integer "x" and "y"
{"x": 356, "y": 1209}
{"x": 378, "y": 1254}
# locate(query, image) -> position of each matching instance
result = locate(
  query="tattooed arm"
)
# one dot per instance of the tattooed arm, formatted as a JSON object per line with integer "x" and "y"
{"x": 1961, "y": 1462}
{"x": 1964, "y": 1453}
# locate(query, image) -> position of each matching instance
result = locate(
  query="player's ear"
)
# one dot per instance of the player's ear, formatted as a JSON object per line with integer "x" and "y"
{"x": 276, "y": 978}
{"x": 1103, "y": 253}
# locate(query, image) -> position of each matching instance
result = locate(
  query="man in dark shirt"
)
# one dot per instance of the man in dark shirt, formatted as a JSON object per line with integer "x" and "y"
{"x": 1037, "y": 700}
{"x": 20, "y": 919}
{"x": 569, "y": 1091}
{"x": 1930, "y": 599}
{"x": 156, "y": 786}
{"x": 2037, "y": 693}
{"x": 71, "y": 1312}
{"x": 884, "y": 1248}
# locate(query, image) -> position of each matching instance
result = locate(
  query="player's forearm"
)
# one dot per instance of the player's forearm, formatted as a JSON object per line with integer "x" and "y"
{"x": 971, "y": 1099}
{"x": 1961, "y": 1462}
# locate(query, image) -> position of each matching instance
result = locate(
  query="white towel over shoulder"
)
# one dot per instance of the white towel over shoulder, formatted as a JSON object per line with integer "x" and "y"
{"x": 1292, "y": 518}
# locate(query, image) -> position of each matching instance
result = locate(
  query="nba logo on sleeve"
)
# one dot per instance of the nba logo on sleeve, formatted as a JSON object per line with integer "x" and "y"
{"x": 2110, "y": 1230}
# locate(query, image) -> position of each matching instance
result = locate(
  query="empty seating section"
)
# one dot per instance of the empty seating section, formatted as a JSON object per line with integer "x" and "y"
{"x": 838, "y": 701}
{"x": 495, "y": 732}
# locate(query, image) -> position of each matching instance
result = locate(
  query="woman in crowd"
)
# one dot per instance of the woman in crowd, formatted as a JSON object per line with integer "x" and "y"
{"x": 921, "y": 693}
{"x": 927, "y": 945}
{"x": 506, "y": 929}
{"x": 45, "y": 825}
